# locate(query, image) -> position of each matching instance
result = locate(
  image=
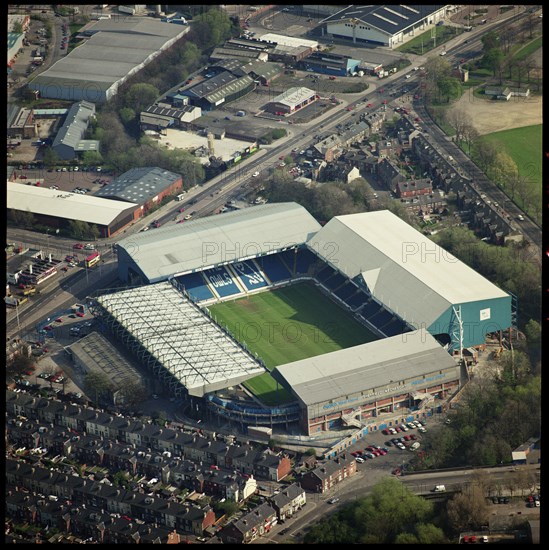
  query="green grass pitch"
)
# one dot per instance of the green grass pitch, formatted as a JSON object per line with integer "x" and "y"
{"x": 285, "y": 325}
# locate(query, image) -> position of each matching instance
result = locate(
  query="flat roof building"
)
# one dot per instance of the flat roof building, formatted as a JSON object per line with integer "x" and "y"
{"x": 116, "y": 50}
{"x": 292, "y": 100}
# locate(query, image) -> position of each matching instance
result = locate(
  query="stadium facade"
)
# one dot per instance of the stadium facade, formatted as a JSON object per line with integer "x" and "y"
{"x": 424, "y": 305}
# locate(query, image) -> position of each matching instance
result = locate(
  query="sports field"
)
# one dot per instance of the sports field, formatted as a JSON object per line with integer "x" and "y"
{"x": 286, "y": 325}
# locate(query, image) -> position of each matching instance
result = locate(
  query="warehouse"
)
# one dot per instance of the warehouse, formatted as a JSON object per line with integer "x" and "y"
{"x": 68, "y": 141}
{"x": 222, "y": 88}
{"x": 355, "y": 385}
{"x": 116, "y": 50}
{"x": 291, "y": 100}
{"x": 329, "y": 63}
{"x": 390, "y": 25}
{"x": 145, "y": 186}
{"x": 58, "y": 208}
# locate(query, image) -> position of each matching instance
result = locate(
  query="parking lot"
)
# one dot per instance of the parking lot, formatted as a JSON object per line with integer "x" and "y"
{"x": 64, "y": 180}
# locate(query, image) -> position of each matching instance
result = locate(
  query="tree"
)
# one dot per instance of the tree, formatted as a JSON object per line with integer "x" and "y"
{"x": 50, "y": 157}
{"x": 92, "y": 158}
{"x": 459, "y": 120}
{"x": 97, "y": 384}
{"x": 140, "y": 96}
{"x": 133, "y": 393}
{"x": 427, "y": 533}
{"x": 503, "y": 169}
{"x": 127, "y": 115}
{"x": 467, "y": 510}
{"x": 490, "y": 41}
{"x": 486, "y": 154}
{"x": 19, "y": 364}
{"x": 17, "y": 28}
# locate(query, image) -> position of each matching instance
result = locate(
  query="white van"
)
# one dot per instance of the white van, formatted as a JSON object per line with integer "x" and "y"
{"x": 439, "y": 489}
{"x": 415, "y": 446}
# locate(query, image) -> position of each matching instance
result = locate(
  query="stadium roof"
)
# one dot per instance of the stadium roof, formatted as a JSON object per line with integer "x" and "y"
{"x": 182, "y": 248}
{"x": 293, "y": 96}
{"x": 117, "y": 47}
{"x": 364, "y": 367}
{"x": 185, "y": 341}
{"x": 402, "y": 268}
{"x": 390, "y": 19}
{"x": 62, "y": 204}
{"x": 138, "y": 185}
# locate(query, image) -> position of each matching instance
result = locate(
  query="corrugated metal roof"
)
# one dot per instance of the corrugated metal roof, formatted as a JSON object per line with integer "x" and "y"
{"x": 139, "y": 184}
{"x": 403, "y": 269}
{"x": 75, "y": 124}
{"x": 391, "y": 19}
{"x": 181, "y": 248}
{"x": 294, "y": 96}
{"x": 360, "y": 368}
{"x": 62, "y": 204}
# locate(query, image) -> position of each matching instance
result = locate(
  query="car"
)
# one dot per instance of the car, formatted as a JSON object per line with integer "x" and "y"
{"x": 465, "y": 539}
{"x": 408, "y": 76}
{"x": 495, "y": 500}
{"x": 79, "y": 314}
{"x": 520, "y": 218}
{"x": 403, "y": 427}
{"x": 59, "y": 320}
{"x": 392, "y": 431}
{"x": 473, "y": 539}
{"x": 155, "y": 224}
{"x": 417, "y": 423}
{"x": 411, "y": 425}
{"x": 370, "y": 455}
{"x": 65, "y": 268}
{"x": 407, "y": 437}
{"x": 398, "y": 429}
{"x": 89, "y": 246}
{"x": 227, "y": 118}
{"x": 154, "y": 396}
{"x": 395, "y": 440}
{"x": 382, "y": 452}
{"x": 181, "y": 210}
{"x": 356, "y": 453}
{"x": 413, "y": 437}
{"x": 401, "y": 446}
{"x": 188, "y": 217}
{"x": 78, "y": 246}
{"x": 422, "y": 429}
{"x": 255, "y": 174}
{"x": 389, "y": 443}
{"x": 385, "y": 431}
{"x": 396, "y": 472}
{"x": 359, "y": 459}
{"x": 333, "y": 500}
{"x": 483, "y": 538}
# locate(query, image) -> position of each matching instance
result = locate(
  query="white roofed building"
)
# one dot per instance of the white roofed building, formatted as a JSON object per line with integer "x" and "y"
{"x": 58, "y": 208}
{"x": 292, "y": 100}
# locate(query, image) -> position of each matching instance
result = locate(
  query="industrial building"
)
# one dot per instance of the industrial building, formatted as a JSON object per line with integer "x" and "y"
{"x": 292, "y": 100}
{"x": 145, "y": 187}
{"x": 68, "y": 141}
{"x": 58, "y": 208}
{"x": 115, "y": 50}
{"x": 383, "y": 25}
{"x": 329, "y": 63}
{"x": 219, "y": 89}
{"x": 425, "y": 306}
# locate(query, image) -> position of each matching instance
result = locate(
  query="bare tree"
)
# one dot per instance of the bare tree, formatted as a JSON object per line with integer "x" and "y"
{"x": 468, "y": 510}
{"x": 470, "y": 135}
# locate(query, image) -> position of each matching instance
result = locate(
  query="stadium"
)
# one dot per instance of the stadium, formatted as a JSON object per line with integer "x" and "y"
{"x": 261, "y": 317}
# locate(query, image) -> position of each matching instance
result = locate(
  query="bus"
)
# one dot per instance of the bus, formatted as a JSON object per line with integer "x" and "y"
{"x": 92, "y": 259}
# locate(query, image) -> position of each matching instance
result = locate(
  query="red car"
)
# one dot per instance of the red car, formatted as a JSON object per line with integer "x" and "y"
{"x": 350, "y": 108}
{"x": 398, "y": 429}
{"x": 385, "y": 431}
{"x": 48, "y": 327}
{"x": 369, "y": 105}
{"x": 59, "y": 320}
{"x": 79, "y": 314}
{"x": 181, "y": 210}
{"x": 79, "y": 246}
{"x": 407, "y": 437}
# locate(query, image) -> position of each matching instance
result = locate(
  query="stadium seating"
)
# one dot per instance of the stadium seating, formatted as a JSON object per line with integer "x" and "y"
{"x": 357, "y": 300}
{"x": 303, "y": 260}
{"x": 370, "y": 309}
{"x": 195, "y": 286}
{"x": 396, "y": 326}
{"x": 381, "y": 318}
{"x": 249, "y": 274}
{"x": 335, "y": 281}
{"x": 222, "y": 281}
{"x": 345, "y": 291}
{"x": 273, "y": 267}
{"x": 324, "y": 274}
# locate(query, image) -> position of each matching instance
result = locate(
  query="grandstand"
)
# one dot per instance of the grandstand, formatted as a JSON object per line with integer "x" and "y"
{"x": 391, "y": 279}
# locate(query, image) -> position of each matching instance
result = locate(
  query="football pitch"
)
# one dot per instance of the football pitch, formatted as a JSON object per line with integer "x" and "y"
{"x": 285, "y": 325}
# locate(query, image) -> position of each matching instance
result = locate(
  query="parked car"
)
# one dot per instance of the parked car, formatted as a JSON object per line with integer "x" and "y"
{"x": 333, "y": 500}
{"x": 78, "y": 246}
{"x": 359, "y": 459}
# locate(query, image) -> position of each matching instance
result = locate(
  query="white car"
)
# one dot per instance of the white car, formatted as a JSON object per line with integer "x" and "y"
{"x": 392, "y": 431}
{"x": 411, "y": 425}
{"x": 422, "y": 429}
{"x": 359, "y": 459}
{"x": 255, "y": 174}
{"x": 403, "y": 427}
{"x": 408, "y": 76}
{"x": 520, "y": 218}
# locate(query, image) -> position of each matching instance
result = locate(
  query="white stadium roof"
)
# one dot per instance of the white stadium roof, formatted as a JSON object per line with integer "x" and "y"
{"x": 365, "y": 367}
{"x": 403, "y": 269}
{"x": 63, "y": 204}
{"x": 181, "y": 338}
{"x": 207, "y": 242}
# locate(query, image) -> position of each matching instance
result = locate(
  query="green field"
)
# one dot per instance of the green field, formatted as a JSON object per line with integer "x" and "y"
{"x": 524, "y": 146}
{"x": 286, "y": 325}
